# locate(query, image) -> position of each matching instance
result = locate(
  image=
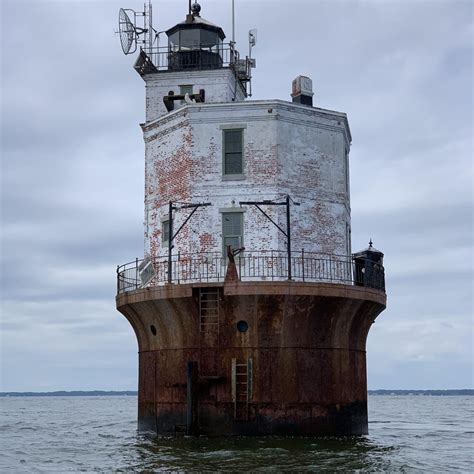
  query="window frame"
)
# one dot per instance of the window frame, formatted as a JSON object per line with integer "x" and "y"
{"x": 233, "y": 128}
{"x": 164, "y": 226}
{"x": 232, "y": 212}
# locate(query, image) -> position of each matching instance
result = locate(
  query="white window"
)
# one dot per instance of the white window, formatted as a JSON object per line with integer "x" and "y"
{"x": 232, "y": 230}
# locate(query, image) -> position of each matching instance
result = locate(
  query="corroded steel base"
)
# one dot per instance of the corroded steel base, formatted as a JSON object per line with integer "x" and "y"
{"x": 303, "y": 355}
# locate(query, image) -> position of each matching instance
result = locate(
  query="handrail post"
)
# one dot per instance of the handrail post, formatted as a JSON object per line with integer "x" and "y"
{"x": 240, "y": 267}
{"x": 170, "y": 239}
{"x": 272, "y": 263}
{"x": 178, "y": 266}
{"x": 288, "y": 234}
{"x": 302, "y": 261}
{"x": 136, "y": 273}
{"x": 118, "y": 283}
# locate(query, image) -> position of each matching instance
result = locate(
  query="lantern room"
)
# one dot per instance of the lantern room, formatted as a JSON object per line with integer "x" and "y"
{"x": 195, "y": 43}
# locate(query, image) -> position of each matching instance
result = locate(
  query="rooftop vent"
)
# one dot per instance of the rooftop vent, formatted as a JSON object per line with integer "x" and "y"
{"x": 302, "y": 91}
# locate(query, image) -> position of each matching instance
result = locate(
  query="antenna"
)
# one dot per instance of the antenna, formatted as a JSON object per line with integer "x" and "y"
{"x": 130, "y": 32}
{"x": 150, "y": 25}
{"x": 127, "y": 32}
{"x": 251, "y": 63}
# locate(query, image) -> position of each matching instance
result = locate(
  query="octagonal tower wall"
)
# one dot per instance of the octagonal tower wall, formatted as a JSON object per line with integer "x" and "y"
{"x": 288, "y": 149}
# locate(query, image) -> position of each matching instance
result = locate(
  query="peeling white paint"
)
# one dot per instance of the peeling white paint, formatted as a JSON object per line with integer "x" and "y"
{"x": 289, "y": 149}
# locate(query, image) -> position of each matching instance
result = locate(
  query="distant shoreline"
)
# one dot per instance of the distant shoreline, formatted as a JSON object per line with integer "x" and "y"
{"x": 104, "y": 393}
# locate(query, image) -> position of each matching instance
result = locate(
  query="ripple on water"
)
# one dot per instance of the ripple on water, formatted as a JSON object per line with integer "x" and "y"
{"x": 98, "y": 435}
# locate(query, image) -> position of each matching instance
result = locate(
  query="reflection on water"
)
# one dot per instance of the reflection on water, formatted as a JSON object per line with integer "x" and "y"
{"x": 253, "y": 454}
{"x": 98, "y": 434}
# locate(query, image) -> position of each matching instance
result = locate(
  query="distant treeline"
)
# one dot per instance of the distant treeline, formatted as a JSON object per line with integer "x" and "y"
{"x": 94, "y": 393}
{"x": 102, "y": 393}
{"x": 435, "y": 393}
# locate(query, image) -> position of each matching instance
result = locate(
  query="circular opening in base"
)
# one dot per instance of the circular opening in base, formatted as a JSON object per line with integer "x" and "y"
{"x": 242, "y": 326}
{"x": 153, "y": 330}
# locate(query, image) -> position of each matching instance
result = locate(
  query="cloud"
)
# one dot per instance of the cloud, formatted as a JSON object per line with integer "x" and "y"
{"x": 73, "y": 158}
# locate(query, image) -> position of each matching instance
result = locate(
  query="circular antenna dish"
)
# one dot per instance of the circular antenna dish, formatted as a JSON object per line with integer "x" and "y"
{"x": 127, "y": 32}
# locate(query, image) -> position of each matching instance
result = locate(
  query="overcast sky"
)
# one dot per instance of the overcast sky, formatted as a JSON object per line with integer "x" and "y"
{"x": 73, "y": 166}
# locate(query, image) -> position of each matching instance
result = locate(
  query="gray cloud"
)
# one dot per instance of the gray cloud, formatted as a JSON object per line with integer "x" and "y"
{"x": 72, "y": 174}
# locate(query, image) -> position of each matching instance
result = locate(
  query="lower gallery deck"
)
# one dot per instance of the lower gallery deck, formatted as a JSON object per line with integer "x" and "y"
{"x": 253, "y": 357}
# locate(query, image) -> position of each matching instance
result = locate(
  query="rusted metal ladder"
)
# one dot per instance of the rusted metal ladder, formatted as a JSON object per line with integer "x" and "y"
{"x": 209, "y": 310}
{"x": 241, "y": 388}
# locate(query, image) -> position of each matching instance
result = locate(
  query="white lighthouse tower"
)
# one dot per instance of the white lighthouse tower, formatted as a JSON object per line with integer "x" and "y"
{"x": 251, "y": 313}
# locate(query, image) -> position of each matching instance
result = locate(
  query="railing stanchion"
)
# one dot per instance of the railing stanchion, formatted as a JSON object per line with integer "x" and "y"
{"x": 302, "y": 261}
{"x": 288, "y": 234}
{"x": 136, "y": 273}
{"x": 178, "y": 266}
{"x": 118, "y": 280}
{"x": 272, "y": 263}
{"x": 170, "y": 240}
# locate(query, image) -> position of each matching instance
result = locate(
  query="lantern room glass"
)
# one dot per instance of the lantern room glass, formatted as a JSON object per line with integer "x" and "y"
{"x": 191, "y": 39}
{"x": 195, "y": 47}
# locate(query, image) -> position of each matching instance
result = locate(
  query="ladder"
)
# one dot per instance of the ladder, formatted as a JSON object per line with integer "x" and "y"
{"x": 241, "y": 388}
{"x": 209, "y": 310}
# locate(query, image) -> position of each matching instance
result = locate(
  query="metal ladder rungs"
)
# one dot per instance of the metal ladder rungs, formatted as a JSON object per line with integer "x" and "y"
{"x": 209, "y": 299}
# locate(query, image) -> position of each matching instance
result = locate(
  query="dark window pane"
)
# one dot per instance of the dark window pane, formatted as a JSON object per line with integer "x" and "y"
{"x": 174, "y": 39}
{"x": 233, "y": 163}
{"x": 233, "y": 152}
{"x": 189, "y": 39}
{"x": 208, "y": 39}
{"x": 234, "y": 241}
{"x": 233, "y": 223}
{"x": 165, "y": 231}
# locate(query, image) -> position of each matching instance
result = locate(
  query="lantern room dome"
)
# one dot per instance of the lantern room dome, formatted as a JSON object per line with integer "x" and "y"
{"x": 195, "y": 44}
{"x": 195, "y": 33}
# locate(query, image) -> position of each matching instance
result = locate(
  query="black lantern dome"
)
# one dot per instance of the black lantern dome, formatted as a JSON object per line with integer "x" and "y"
{"x": 195, "y": 43}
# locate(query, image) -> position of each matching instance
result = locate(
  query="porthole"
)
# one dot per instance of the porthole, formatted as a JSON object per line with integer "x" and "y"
{"x": 242, "y": 326}
{"x": 153, "y": 329}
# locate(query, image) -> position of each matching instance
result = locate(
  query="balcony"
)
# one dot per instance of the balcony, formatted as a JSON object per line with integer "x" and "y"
{"x": 272, "y": 265}
{"x": 200, "y": 57}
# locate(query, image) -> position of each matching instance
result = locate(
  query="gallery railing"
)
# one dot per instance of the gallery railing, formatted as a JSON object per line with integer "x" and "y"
{"x": 252, "y": 266}
{"x": 200, "y": 57}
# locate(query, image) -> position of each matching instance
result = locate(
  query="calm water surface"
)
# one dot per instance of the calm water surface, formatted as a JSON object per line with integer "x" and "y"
{"x": 98, "y": 434}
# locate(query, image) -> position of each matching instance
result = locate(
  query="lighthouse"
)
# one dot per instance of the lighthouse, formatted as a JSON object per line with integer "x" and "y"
{"x": 250, "y": 310}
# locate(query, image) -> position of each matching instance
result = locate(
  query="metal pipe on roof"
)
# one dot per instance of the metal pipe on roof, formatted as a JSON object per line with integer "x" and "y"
{"x": 233, "y": 21}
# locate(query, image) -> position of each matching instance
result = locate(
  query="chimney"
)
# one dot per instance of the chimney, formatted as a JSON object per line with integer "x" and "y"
{"x": 302, "y": 91}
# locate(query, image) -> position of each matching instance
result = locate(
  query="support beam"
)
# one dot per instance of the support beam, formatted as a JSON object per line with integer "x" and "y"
{"x": 287, "y": 232}
{"x": 172, "y": 236}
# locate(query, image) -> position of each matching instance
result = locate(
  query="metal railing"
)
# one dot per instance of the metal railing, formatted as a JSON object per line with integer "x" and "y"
{"x": 202, "y": 57}
{"x": 255, "y": 266}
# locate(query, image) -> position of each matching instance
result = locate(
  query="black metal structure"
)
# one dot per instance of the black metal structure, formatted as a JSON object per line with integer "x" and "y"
{"x": 171, "y": 236}
{"x": 286, "y": 233}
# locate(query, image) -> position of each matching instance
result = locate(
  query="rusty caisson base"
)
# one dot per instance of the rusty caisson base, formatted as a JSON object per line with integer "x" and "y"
{"x": 253, "y": 358}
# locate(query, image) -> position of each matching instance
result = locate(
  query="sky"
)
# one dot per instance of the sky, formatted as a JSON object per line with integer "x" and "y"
{"x": 72, "y": 172}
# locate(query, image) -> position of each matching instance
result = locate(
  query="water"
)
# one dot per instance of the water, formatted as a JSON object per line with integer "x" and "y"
{"x": 98, "y": 434}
